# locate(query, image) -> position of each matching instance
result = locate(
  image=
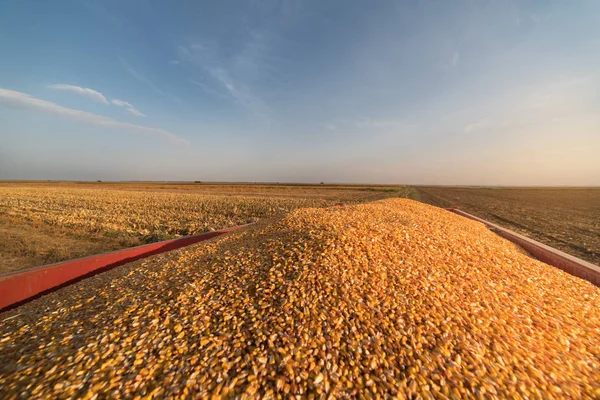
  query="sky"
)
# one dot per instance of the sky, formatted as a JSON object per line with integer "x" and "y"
{"x": 405, "y": 92}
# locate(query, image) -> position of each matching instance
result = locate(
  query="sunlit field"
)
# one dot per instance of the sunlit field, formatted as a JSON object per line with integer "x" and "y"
{"x": 49, "y": 222}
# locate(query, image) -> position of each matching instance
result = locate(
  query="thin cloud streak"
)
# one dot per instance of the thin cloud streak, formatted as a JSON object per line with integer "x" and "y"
{"x": 240, "y": 94}
{"x": 208, "y": 89}
{"x": 127, "y": 106}
{"x": 135, "y": 112}
{"x": 147, "y": 81}
{"x": 235, "y": 76}
{"x": 368, "y": 124}
{"x": 15, "y": 99}
{"x": 91, "y": 93}
{"x": 477, "y": 125}
{"x": 455, "y": 58}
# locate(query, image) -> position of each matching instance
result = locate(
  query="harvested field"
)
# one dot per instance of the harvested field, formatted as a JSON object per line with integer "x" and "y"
{"x": 564, "y": 218}
{"x": 338, "y": 193}
{"x": 142, "y": 213}
{"x": 51, "y": 222}
{"x": 28, "y": 244}
{"x": 393, "y": 298}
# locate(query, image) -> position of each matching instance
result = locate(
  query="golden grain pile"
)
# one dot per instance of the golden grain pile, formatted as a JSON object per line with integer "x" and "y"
{"x": 390, "y": 299}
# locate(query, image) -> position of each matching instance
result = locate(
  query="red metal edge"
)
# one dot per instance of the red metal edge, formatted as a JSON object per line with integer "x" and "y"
{"x": 22, "y": 286}
{"x": 572, "y": 265}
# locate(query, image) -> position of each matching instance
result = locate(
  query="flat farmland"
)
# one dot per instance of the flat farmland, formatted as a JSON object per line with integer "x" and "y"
{"x": 565, "y": 218}
{"x": 47, "y": 222}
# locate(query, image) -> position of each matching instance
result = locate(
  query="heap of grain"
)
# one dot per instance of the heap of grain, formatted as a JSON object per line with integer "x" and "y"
{"x": 393, "y": 298}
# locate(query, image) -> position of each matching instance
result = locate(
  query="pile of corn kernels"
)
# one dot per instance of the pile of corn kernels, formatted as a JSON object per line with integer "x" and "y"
{"x": 391, "y": 299}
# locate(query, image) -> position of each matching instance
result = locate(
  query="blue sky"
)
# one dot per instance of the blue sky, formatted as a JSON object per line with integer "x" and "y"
{"x": 416, "y": 92}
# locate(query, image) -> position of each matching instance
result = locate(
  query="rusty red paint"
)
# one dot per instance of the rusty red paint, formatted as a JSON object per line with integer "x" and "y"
{"x": 19, "y": 287}
{"x": 572, "y": 265}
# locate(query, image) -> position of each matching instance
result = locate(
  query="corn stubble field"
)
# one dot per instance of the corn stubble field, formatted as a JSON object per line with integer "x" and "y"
{"x": 42, "y": 223}
{"x": 389, "y": 299}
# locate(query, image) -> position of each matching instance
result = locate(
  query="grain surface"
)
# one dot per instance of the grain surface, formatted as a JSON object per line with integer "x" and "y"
{"x": 392, "y": 299}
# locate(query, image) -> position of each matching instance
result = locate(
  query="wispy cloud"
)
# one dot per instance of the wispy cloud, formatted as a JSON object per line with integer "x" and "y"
{"x": 208, "y": 89}
{"x": 96, "y": 95}
{"x": 455, "y": 58}
{"x": 127, "y": 106}
{"x": 141, "y": 78}
{"x": 367, "y": 123}
{"x": 541, "y": 110}
{"x": 15, "y": 99}
{"x": 477, "y": 125}
{"x": 174, "y": 62}
{"x": 240, "y": 93}
{"x": 240, "y": 75}
{"x": 91, "y": 93}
